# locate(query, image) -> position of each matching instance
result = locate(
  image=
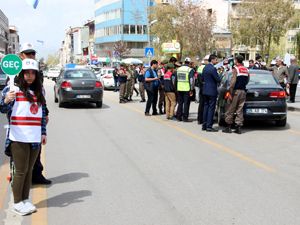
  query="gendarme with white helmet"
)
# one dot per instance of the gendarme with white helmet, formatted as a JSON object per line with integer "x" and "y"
{"x": 30, "y": 64}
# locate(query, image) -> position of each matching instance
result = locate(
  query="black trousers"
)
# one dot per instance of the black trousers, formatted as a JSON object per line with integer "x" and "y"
{"x": 183, "y": 105}
{"x": 37, "y": 168}
{"x": 293, "y": 89}
{"x": 209, "y": 110}
{"x": 152, "y": 100}
{"x": 200, "y": 108}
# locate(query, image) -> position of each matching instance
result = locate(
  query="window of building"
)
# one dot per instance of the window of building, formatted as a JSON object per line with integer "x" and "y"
{"x": 139, "y": 29}
{"x": 126, "y": 29}
{"x": 291, "y": 38}
{"x": 132, "y": 29}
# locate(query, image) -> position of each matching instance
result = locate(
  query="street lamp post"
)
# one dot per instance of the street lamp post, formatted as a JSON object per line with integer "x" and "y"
{"x": 149, "y": 25}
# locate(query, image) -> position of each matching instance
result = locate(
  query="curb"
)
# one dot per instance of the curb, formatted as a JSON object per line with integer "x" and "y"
{"x": 292, "y": 108}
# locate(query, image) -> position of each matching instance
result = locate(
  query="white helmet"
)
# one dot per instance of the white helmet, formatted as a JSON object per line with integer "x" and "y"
{"x": 30, "y": 64}
{"x": 27, "y": 48}
{"x": 187, "y": 59}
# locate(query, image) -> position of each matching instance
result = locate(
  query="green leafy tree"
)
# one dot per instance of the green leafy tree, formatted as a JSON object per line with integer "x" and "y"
{"x": 52, "y": 60}
{"x": 261, "y": 22}
{"x": 185, "y": 21}
{"x": 122, "y": 49}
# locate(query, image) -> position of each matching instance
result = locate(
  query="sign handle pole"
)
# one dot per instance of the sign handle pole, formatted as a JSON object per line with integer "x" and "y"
{"x": 12, "y": 83}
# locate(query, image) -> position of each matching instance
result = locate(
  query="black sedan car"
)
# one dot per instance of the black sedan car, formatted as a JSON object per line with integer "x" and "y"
{"x": 265, "y": 100}
{"x": 78, "y": 85}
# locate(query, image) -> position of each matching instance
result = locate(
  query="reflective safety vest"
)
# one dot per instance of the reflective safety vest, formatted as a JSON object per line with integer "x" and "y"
{"x": 200, "y": 69}
{"x": 183, "y": 81}
{"x": 26, "y": 120}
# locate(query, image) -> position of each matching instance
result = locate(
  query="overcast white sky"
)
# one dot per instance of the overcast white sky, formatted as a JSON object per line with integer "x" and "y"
{"x": 48, "y": 22}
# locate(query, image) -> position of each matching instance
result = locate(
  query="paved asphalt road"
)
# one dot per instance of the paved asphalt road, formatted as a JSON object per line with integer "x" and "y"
{"x": 114, "y": 166}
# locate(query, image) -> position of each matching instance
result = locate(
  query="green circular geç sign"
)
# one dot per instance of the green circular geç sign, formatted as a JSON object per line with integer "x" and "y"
{"x": 11, "y": 64}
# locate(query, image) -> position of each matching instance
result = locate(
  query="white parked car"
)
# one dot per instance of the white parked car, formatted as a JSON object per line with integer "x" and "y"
{"x": 107, "y": 78}
{"x": 53, "y": 73}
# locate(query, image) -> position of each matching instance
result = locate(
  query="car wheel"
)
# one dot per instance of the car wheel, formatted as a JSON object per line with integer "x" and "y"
{"x": 55, "y": 98}
{"x": 221, "y": 115}
{"x": 281, "y": 123}
{"x": 99, "y": 104}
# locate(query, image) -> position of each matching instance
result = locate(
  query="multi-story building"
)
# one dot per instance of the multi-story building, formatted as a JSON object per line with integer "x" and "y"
{"x": 4, "y": 33}
{"x": 75, "y": 45}
{"x": 91, "y": 40}
{"x": 121, "y": 20}
{"x": 222, "y": 37}
{"x": 290, "y": 41}
{"x": 14, "y": 42}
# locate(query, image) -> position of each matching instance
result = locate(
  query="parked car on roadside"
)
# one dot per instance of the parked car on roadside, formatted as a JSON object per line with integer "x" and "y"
{"x": 107, "y": 78}
{"x": 78, "y": 85}
{"x": 265, "y": 100}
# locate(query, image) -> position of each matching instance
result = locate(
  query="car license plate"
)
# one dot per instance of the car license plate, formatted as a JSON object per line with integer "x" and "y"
{"x": 83, "y": 96}
{"x": 257, "y": 111}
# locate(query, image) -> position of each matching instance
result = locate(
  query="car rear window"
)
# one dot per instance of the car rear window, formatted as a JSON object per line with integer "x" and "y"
{"x": 79, "y": 74}
{"x": 261, "y": 79}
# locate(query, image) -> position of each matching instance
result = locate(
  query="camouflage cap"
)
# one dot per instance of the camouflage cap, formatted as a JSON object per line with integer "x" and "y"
{"x": 165, "y": 61}
{"x": 170, "y": 66}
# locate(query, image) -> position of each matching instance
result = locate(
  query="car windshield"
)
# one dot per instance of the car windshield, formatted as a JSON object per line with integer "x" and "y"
{"x": 79, "y": 74}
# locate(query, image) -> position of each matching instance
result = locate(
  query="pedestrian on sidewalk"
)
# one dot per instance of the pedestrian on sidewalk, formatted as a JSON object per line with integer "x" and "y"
{"x": 26, "y": 112}
{"x": 151, "y": 86}
{"x": 293, "y": 78}
{"x": 170, "y": 88}
{"x": 211, "y": 80}
{"x": 280, "y": 72}
{"x": 237, "y": 89}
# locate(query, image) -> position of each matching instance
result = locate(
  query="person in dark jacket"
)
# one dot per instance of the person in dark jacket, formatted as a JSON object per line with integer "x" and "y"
{"x": 210, "y": 92}
{"x": 151, "y": 86}
{"x": 293, "y": 78}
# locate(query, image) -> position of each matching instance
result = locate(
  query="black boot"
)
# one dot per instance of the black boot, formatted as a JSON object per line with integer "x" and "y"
{"x": 227, "y": 129}
{"x": 238, "y": 130}
{"x": 160, "y": 110}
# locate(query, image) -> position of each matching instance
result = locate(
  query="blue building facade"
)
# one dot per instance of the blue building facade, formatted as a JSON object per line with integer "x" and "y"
{"x": 121, "y": 20}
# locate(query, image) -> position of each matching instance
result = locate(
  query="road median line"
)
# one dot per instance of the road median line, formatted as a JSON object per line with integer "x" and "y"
{"x": 216, "y": 145}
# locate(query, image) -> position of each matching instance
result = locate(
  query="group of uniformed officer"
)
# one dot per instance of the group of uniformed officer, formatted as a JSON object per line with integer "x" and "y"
{"x": 176, "y": 84}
